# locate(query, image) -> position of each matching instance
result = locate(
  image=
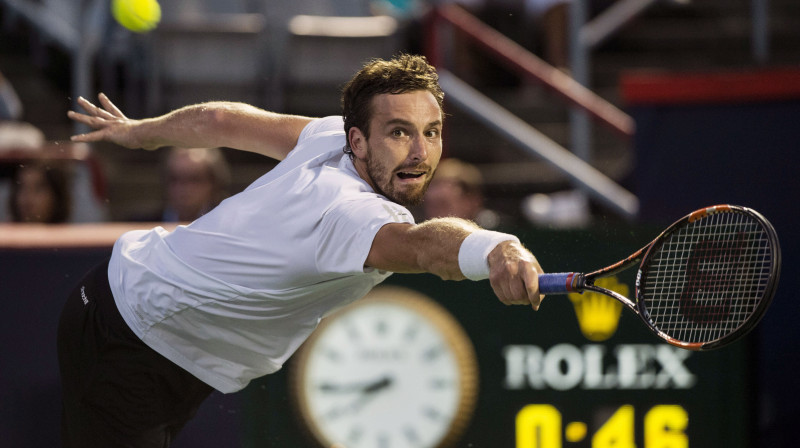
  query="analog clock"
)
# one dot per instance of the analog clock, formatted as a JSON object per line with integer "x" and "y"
{"x": 394, "y": 369}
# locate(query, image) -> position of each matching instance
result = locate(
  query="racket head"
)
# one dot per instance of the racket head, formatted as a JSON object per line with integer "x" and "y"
{"x": 708, "y": 279}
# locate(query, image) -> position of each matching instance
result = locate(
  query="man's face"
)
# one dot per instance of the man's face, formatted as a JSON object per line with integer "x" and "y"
{"x": 446, "y": 197}
{"x": 35, "y": 198}
{"x": 404, "y": 146}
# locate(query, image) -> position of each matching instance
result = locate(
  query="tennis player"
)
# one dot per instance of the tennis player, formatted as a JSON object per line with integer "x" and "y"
{"x": 171, "y": 316}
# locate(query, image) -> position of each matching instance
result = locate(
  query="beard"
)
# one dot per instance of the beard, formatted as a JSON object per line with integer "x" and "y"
{"x": 382, "y": 178}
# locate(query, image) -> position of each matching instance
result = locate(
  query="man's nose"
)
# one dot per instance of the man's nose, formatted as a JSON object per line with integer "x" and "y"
{"x": 419, "y": 149}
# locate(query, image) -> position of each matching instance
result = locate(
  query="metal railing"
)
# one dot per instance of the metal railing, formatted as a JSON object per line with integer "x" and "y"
{"x": 525, "y": 136}
{"x": 526, "y": 64}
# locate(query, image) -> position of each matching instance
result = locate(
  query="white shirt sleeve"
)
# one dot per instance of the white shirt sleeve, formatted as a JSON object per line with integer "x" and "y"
{"x": 348, "y": 229}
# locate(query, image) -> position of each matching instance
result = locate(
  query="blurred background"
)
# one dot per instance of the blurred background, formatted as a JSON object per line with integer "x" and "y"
{"x": 574, "y": 122}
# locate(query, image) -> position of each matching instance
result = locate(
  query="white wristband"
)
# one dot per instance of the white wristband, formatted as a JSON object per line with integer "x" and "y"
{"x": 474, "y": 252}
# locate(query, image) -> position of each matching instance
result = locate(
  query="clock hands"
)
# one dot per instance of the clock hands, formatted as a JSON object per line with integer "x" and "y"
{"x": 363, "y": 387}
{"x": 366, "y": 393}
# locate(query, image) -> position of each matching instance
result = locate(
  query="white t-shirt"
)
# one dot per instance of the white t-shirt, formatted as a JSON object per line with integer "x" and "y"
{"x": 232, "y": 295}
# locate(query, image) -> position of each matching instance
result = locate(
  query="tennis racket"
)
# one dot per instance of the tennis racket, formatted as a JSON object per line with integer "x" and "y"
{"x": 703, "y": 283}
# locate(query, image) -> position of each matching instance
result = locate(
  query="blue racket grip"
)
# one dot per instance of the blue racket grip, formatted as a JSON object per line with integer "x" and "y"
{"x": 558, "y": 283}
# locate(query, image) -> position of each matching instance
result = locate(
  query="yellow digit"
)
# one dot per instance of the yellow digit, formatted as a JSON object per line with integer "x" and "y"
{"x": 617, "y": 432}
{"x": 539, "y": 426}
{"x": 664, "y": 427}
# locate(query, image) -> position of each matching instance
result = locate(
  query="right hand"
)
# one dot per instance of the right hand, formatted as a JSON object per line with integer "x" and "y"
{"x": 109, "y": 124}
{"x": 514, "y": 275}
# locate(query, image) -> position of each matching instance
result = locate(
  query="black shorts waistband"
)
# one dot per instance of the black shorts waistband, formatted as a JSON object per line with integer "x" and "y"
{"x": 95, "y": 287}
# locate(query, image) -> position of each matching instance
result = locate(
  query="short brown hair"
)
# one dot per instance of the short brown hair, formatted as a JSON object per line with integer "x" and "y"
{"x": 403, "y": 73}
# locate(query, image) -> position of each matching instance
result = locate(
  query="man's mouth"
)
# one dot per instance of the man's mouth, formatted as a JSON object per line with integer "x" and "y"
{"x": 410, "y": 174}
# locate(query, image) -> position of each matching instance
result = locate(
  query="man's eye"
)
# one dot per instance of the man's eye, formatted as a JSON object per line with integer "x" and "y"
{"x": 398, "y": 133}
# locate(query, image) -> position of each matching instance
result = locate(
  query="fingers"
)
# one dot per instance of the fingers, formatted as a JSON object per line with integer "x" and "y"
{"x": 519, "y": 285}
{"x": 504, "y": 290}
{"x": 108, "y": 112}
{"x": 109, "y": 106}
{"x": 91, "y": 109}
{"x": 532, "y": 288}
{"x": 89, "y": 137}
{"x": 108, "y": 124}
{"x": 95, "y": 117}
{"x": 99, "y": 124}
{"x": 83, "y": 118}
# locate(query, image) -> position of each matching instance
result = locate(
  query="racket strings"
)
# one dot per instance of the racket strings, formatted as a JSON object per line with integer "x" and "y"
{"x": 707, "y": 277}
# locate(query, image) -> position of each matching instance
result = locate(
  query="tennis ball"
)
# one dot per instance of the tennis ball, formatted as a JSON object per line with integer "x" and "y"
{"x": 139, "y": 16}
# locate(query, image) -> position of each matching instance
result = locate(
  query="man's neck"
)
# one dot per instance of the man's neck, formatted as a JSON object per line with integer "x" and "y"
{"x": 363, "y": 173}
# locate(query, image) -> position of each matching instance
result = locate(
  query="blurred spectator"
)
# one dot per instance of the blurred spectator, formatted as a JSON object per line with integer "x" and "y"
{"x": 76, "y": 186}
{"x": 457, "y": 190}
{"x": 195, "y": 181}
{"x": 15, "y": 136}
{"x": 40, "y": 193}
{"x": 551, "y": 24}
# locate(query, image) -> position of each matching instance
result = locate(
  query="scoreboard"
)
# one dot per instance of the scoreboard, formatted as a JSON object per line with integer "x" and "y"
{"x": 584, "y": 372}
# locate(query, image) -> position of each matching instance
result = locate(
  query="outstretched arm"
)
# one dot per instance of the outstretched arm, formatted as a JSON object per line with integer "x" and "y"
{"x": 441, "y": 246}
{"x": 213, "y": 124}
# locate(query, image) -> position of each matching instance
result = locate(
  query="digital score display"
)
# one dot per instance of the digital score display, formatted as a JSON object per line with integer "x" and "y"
{"x": 543, "y": 426}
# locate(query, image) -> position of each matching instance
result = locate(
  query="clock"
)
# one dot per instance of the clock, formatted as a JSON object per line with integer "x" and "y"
{"x": 394, "y": 369}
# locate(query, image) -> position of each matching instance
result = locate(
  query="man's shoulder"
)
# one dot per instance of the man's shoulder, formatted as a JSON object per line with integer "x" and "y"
{"x": 320, "y": 137}
{"x": 333, "y": 124}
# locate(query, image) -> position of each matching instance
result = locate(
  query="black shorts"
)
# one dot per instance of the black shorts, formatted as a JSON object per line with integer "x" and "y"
{"x": 117, "y": 391}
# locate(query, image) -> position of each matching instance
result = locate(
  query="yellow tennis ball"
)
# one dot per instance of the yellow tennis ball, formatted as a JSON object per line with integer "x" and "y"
{"x": 139, "y": 16}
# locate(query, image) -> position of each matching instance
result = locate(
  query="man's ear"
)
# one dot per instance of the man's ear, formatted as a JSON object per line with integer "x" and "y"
{"x": 358, "y": 142}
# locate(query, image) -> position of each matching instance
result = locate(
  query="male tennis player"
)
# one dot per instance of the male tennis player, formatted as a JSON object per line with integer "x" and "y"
{"x": 229, "y": 297}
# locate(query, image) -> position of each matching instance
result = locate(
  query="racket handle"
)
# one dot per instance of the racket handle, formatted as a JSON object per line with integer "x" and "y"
{"x": 559, "y": 283}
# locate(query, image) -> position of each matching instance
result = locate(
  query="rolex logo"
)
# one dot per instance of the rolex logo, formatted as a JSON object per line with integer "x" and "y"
{"x": 598, "y": 315}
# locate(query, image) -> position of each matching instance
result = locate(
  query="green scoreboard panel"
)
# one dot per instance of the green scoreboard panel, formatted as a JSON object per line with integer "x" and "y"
{"x": 581, "y": 372}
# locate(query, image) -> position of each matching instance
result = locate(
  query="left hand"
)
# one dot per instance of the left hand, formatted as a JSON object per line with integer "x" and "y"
{"x": 109, "y": 124}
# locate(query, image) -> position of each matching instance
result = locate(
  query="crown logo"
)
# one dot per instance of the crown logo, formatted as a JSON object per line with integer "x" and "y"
{"x": 598, "y": 315}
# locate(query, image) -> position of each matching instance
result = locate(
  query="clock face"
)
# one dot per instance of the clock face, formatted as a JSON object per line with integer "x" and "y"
{"x": 392, "y": 370}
